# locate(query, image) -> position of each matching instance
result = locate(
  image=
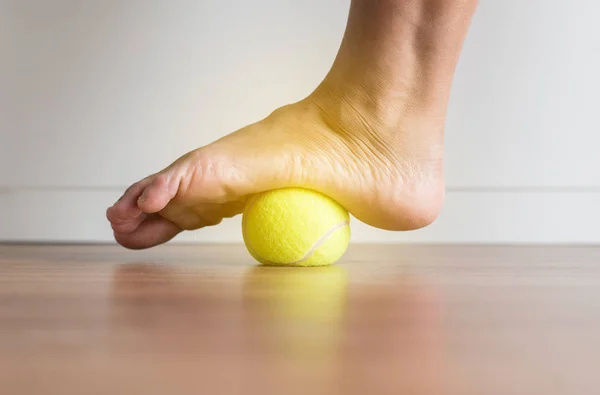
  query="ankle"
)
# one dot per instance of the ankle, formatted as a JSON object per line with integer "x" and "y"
{"x": 349, "y": 102}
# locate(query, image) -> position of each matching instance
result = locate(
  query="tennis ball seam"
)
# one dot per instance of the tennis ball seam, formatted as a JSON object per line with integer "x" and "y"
{"x": 310, "y": 251}
{"x": 320, "y": 242}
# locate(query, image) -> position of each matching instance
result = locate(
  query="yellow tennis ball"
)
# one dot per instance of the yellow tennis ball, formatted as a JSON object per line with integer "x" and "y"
{"x": 295, "y": 227}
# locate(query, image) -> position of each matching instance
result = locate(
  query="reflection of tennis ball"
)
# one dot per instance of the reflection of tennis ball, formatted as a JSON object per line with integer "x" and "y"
{"x": 295, "y": 227}
{"x": 298, "y": 296}
{"x": 299, "y": 315}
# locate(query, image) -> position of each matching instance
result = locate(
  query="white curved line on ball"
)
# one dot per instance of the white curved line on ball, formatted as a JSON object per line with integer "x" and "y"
{"x": 320, "y": 242}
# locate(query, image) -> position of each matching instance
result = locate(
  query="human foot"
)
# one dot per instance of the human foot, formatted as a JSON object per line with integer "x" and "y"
{"x": 370, "y": 136}
{"x": 385, "y": 178}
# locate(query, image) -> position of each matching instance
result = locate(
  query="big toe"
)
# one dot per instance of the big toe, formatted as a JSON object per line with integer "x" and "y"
{"x": 157, "y": 194}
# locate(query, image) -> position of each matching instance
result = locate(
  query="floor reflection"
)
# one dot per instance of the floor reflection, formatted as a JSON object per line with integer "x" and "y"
{"x": 394, "y": 339}
{"x": 265, "y": 328}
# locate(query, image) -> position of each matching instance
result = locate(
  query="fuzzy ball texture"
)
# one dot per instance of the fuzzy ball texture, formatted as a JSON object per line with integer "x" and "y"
{"x": 295, "y": 227}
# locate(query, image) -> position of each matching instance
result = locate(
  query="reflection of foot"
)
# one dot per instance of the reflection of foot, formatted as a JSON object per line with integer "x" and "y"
{"x": 390, "y": 179}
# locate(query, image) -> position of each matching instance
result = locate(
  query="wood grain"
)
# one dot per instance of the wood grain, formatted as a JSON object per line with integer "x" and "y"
{"x": 387, "y": 320}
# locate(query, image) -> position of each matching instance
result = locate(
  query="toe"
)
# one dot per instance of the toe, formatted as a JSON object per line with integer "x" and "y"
{"x": 157, "y": 194}
{"x": 124, "y": 215}
{"x": 126, "y": 207}
{"x": 153, "y": 231}
{"x": 125, "y": 225}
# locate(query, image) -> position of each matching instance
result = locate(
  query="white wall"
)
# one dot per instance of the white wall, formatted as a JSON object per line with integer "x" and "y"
{"x": 97, "y": 94}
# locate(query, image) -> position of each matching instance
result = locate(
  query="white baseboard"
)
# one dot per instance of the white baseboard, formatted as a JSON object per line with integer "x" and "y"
{"x": 518, "y": 217}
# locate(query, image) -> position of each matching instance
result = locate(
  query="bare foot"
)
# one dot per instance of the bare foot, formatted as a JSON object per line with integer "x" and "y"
{"x": 370, "y": 136}
{"x": 373, "y": 173}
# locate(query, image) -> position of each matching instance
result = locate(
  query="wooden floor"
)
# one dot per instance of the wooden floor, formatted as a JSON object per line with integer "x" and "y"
{"x": 386, "y": 320}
